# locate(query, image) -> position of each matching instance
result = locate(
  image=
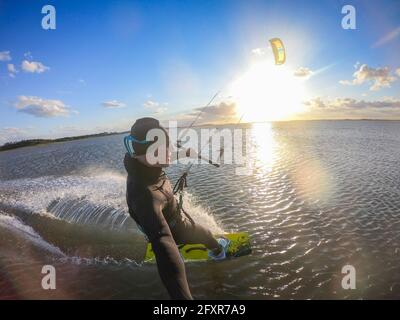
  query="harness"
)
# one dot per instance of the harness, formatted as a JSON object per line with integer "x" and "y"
{"x": 179, "y": 186}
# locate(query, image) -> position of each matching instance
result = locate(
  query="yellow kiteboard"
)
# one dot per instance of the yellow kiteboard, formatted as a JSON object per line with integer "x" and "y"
{"x": 239, "y": 246}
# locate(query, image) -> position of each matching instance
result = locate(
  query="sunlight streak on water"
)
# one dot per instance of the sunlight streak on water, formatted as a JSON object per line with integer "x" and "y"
{"x": 265, "y": 144}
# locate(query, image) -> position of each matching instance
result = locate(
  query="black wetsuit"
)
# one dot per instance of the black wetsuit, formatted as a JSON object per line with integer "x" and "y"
{"x": 153, "y": 206}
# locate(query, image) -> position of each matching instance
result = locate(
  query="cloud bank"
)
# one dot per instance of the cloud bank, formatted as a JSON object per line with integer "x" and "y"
{"x": 340, "y": 108}
{"x": 224, "y": 112}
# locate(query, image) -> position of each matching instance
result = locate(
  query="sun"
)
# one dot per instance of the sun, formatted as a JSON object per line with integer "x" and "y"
{"x": 267, "y": 92}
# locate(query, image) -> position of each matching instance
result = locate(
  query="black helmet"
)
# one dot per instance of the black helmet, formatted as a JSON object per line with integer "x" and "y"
{"x": 139, "y": 131}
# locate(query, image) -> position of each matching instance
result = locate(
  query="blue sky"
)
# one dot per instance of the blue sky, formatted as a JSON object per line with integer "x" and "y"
{"x": 110, "y": 62}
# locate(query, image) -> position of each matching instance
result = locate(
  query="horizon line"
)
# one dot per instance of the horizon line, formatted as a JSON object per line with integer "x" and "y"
{"x": 105, "y": 133}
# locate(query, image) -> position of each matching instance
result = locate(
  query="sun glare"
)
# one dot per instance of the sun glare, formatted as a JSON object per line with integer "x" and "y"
{"x": 267, "y": 92}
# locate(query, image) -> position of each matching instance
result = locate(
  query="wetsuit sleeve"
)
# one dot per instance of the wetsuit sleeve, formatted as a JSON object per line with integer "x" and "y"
{"x": 170, "y": 264}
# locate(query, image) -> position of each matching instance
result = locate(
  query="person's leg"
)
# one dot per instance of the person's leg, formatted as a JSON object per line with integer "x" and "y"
{"x": 169, "y": 262}
{"x": 171, "y": 267}
{"x": 188, "y": 233}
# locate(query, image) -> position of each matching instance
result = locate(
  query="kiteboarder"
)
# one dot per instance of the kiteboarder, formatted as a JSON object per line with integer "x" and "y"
{"x": 153, "y": 206}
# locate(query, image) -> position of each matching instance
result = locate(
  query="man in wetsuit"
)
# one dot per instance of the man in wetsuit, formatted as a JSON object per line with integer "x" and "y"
{"x": 153, "y": 206}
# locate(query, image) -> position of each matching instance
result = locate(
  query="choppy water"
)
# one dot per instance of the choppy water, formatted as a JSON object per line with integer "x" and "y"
{"x": 322, "y": 194}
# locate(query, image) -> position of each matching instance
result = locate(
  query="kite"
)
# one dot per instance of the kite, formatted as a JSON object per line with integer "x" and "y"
{"x": 278, "y": 50}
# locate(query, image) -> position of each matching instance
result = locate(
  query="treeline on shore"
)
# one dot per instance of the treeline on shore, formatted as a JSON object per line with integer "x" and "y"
{"x": 34, "y": 142}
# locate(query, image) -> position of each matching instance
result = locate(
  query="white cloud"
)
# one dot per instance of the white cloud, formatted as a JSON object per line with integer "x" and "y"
{"x": 346, "y": 82}
{"x": 398, "y": 71}
{"x": 378, "y": 77}
{"x": 160, "y": 110}
{"x": 5, "y": 56}
{"x": 157, "y": 107}
{"x": 11, "y": 70}
{"x": 315, "y": 103}
{"x": 33, "y": 66}
{"x": 151, "y": 104}
{"x": 41, "y": 108}
{"x": 224, "y": 112}
{"x": 303, "y": 72}
{"x": 259, "y": 51}
{"x": 113, "y": 104}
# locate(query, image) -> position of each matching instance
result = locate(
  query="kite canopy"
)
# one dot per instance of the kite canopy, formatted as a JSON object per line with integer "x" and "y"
{"x": 279, "y": 50}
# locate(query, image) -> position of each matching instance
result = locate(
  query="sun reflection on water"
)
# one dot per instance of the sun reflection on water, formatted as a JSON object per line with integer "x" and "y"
{"x": 264, "y": 145}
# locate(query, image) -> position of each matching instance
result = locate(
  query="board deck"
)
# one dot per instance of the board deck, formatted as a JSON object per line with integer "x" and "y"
{"x": 239, "y": 246}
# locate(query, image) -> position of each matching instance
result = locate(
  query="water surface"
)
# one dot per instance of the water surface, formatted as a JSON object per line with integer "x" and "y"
{"x": 321, "y": 195}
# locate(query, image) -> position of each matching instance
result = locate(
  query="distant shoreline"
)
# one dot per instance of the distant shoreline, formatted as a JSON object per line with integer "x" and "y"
{"x": 36, "y": 142}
